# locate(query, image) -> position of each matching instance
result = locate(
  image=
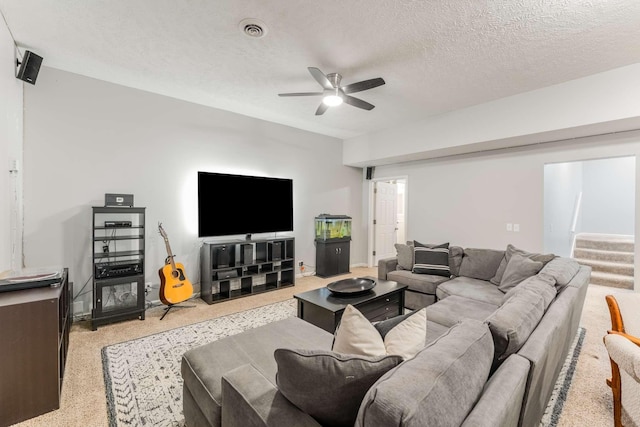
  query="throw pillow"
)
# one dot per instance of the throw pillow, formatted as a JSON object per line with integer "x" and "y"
{"x": 562, "y": 270}
{"x": 480, "y": 263}
{"x": 540, "y": 284}
{"x": 326, "y": 385}
{"x": 543, "y": 258}
{"x": 383, "y": 327}
{"x": 433, "y": 260}
{"x": 357, "y": 335}
{"x": 405, "y": 256}
{"x": 423, "y": 245}
{"x": 512, "y": 323}
{"x": 518, "y": 269}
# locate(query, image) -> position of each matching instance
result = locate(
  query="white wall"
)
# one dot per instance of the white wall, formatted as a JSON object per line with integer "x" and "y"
{"x": 85, "y": 138}
{"x": 608, "y": 203}
{"x": 562, "y": 189}
{"x": 10, "y": 149}
{"x": 467, "y": 200}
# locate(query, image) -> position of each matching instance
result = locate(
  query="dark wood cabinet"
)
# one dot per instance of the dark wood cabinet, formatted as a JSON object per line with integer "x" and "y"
{"x": 35, "y": 341}
{"x": 332, "y": 258}
{"x": 241, "y": 268}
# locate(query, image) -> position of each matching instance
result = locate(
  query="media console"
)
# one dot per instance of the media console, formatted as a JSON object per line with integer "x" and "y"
{"x": 245, "y": 267}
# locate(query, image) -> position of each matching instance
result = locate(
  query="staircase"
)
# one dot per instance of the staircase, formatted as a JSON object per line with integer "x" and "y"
{"x": 610, "y": 257}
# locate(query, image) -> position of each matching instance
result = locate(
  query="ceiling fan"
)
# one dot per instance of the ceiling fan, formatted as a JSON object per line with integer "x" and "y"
{"x": 334, "y": 94}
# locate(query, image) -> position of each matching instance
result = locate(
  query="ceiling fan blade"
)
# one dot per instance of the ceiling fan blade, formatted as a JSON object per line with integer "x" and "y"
{"x": 320, "y": 77}
{"x": 321, "y": 109}
{"x": 357, "y": 102}
{"x": 300, "y": 94}
{"x": 363, "y": 85}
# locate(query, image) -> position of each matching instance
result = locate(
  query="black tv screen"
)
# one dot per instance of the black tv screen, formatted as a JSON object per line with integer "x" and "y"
{"x": 241, "y": 204}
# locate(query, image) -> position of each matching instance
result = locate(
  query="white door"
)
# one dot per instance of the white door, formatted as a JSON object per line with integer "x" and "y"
{"x": 385, "y": 220}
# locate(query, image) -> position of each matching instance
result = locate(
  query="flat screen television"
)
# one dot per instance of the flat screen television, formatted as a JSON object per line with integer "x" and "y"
{"x": 241, "y": 204}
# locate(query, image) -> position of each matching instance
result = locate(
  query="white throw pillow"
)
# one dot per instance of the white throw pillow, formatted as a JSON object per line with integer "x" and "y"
{"x": 357, "y": 335}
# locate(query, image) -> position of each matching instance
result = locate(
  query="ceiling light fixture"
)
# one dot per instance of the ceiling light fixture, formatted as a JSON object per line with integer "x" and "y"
{"x": 332, "y": 100}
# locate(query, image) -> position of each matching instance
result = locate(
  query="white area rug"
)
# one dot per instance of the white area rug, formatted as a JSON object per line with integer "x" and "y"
{"x": 142, "y": 376}
{"x": 144, "y": 385}
{"x": 559, "y": 396}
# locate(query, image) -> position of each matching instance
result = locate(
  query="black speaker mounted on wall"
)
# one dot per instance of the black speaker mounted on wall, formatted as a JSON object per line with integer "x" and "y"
{"x": 370, "y": 172}
{"x": 29, "y": 67}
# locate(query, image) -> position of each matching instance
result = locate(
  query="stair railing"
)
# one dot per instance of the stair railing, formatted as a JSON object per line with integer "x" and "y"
{"x": 574, "y": 223}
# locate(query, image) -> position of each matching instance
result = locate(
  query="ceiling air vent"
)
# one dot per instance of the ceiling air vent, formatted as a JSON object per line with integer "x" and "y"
{"x": 253, "y": 28}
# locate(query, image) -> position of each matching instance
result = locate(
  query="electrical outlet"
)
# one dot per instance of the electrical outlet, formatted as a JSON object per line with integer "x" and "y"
{"x": 509, "y": 226}
{"x": 301, "y": 263}
{"x": 516, "y": 227}
{"x": 147, "y": 288}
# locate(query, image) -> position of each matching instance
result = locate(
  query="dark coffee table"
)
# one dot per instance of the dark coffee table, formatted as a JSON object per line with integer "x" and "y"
{"x": 323, "y": 309}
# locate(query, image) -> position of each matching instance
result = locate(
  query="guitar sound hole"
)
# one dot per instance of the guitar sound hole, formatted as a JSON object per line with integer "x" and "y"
{"x": 175, "y": 274}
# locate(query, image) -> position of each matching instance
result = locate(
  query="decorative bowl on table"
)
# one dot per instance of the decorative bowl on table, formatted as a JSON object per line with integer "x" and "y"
{"x": 351, "y": 286}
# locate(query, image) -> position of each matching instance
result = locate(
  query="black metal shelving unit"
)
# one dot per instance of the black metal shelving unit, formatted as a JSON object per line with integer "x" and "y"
{"x": 118, "y": 265}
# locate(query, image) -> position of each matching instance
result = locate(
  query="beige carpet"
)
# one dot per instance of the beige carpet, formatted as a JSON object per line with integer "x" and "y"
{"x": 83, "y": 392}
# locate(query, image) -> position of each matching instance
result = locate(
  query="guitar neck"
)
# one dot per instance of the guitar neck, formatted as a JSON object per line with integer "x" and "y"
{"x": 170, "y": 254}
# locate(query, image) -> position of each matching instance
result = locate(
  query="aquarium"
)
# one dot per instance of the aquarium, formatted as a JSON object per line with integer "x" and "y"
{"x": 333, "y": 227}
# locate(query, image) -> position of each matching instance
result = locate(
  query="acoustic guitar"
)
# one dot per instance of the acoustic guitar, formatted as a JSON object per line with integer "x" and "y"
{"x": 174, "y": 285}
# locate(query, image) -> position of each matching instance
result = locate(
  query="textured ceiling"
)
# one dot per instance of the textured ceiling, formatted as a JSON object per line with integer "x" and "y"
{"x": 435, "y": 56}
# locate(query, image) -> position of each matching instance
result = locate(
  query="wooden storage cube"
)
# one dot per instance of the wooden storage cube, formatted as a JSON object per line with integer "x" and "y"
{"x": 261, "y": 251}
{"x": 288, "y": 249}
{"x": 252, "y": 260}
{"x": 272, "y": 280}
{"x": 245, "y": 285}
{"x": 286, "y": 277}
{"x": 275, "y": 250}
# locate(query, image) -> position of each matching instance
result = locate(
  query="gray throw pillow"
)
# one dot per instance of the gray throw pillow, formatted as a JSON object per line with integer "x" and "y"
{"x": 543, "y": 258}
{"x": 512, "y": 323}
{"x": 480, "y": 263}
{"x": 434, "y": 260}
{"x": 326, "y": 385}
{"x": 540, "y": 284}
{"x": 518, "y": 269}
{"x": 405, "y": 256}
{"x": 562, "y": 270}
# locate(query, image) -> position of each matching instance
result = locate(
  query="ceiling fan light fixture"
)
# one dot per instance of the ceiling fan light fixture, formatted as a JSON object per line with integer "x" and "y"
{"x": 332, "y": 97}
{"x": 332, "y": 100}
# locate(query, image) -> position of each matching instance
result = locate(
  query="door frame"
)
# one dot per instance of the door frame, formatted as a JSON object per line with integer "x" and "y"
{"x": 371, "y": 211}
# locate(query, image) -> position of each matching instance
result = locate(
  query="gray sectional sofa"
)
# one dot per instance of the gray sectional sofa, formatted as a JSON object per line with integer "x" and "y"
{"x": 491, "y": 358}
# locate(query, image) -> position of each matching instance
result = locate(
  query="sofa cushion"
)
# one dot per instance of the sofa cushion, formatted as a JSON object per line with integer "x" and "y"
{"x": 455, "y": 259}
{"x": 202, "y": 378}
{"x": 453, "y": 309}
{"x": 405, "y": 256}
{"x": 518, "y": 269}
{"x": 513, "y": 322}
{"x": 540, "y": 283}
{"x": 480, "y": 263}
{"x": 543, "y": 258}
{"x": 437, "y": 387}
{"x": 357, "y": 335}
{"x": 327, "y": 385}
{"x": 425, "y": 283}
{"x": 479, "y": 290}
{"x": 433, "y": 260}
{"x": 561, "y": 270}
